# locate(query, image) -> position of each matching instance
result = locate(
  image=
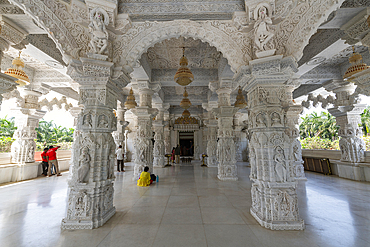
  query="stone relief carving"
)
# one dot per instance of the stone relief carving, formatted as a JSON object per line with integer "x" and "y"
{"x": 263, "y": 32}
{"x": 280, "y": 164}
{"x": 54, "y": 16}
{"x": 87, "y": 121}
{"x": 99, "y": 34}
{"x": 103, "y": 123}
{"x": 84, "y": 167}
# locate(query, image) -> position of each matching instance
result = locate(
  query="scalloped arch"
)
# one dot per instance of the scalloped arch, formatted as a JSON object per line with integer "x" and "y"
{"x": 227, "y": 41}
{"x": 69, "y": 37}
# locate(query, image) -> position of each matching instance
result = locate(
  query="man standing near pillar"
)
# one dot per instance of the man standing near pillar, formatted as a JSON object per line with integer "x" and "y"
{"x": 52, "y": 158}
{"x": 177, "y": 154}
{"x": 120, "y": 155}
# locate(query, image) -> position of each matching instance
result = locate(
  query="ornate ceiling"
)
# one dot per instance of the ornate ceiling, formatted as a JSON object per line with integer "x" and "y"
{"x": 143, "y": 10}
{"x": 167, "y": 54}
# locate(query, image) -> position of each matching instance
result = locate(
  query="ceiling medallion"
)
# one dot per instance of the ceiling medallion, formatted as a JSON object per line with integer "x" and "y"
{"x": 130, "y": 102}
{"x": 17, "y": 71}
{"x": 183, "y": 75}
{"x": 316, "y": 60}
{"x": 240, "y": 100}
{"x": 356, "y": 65}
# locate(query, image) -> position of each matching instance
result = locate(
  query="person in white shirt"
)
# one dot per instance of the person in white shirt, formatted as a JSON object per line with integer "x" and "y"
{"x": 120, "y": 155}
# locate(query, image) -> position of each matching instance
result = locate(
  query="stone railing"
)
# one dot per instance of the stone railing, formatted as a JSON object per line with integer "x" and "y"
{"x": 354, "y": 171}
{"x": 12, "y": 172}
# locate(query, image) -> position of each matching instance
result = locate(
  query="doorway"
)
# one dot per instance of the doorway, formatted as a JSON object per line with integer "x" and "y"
{"x": 186, "y": 143}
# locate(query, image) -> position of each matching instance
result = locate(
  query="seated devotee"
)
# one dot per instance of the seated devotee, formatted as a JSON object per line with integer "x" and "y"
{"x": 144, "y": 179}
{"x": 45, "y": 162}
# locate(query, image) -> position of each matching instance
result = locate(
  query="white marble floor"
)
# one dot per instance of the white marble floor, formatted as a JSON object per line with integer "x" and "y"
{"x": 188, "y": 207}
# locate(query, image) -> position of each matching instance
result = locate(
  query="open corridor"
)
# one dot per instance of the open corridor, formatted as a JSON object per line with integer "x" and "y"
{"x": 188, "y": 207}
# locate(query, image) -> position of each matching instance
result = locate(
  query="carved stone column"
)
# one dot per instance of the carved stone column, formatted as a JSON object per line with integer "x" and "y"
{"x": 159, "y": 147}
{"x": 204, "y": 139}
{"x": 143, "y": 142}
{"x": 7, "y": 84}
{"x": 274, "y": 195}
{"x": 292, "y": 116}
{"x": 167, "y": 140}
{"x": 225, "y": 146}
{"x": 119, "y": 134}
{"x": 212, "y": 143}
{"x": 347, "y": 112}
{"x": 26, "y": 120}
{"x": 90, "y": 199}
{"x": 238, "y": 143}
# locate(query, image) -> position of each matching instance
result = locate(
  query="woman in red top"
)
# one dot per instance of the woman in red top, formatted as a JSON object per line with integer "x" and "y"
{"x": 173, "y": 155}
{"x": 52, "y": 157}
{"x": 45, "y": 163}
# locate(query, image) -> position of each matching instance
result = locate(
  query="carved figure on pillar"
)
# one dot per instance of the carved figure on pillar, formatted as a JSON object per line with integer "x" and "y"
{"x": 84, "y": 168}
{"x": 159, "y": 148}
{"x": 263, "y": 32}
{"x": 99, "y": 19}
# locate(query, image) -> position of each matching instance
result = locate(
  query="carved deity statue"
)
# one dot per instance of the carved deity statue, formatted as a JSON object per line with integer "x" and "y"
{"x": 84, "y": 168}
{"x": 87, "y": 121}
{"x": 275, "y": 119}
{"x": 262, "y": 32}
{"x": 280, "y": 165}
{"x": 103, "y": 123}
{"x": 98, "y": 20}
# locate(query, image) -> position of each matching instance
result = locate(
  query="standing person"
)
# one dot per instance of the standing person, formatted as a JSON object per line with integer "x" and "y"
{"x": 45, "y": 162}
{"x": 53, "y": 159}
{"x": 120, "y": 155}
{"x": 177, "y": 154}
{"x": 173, "y": 155}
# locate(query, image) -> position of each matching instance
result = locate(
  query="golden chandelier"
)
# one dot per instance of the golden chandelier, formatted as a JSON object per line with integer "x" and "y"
{"x": 17, "y": 71}
{"x": 183, "y": 75}
{"x": 356, "y": 65}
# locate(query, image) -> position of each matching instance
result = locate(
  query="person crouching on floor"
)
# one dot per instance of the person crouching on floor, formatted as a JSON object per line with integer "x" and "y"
{"x": 144, "y": 179}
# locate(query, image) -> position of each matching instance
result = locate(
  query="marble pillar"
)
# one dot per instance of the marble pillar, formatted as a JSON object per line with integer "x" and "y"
{"x": 119, "y": 134}
{"x": 143, "y": 142}
{"x": 238, "y": 143}
{"x": 225, "y": 146}
{"x": 274, "y": 195}
{"x": 347, "y": 110}
{"x": 26, "y": 120}
{"x": 292, "y": 116}
{"x": 212, "y": 143}
{"x": 159, "y": 147}
{"x": 90, "y": 198}
{"x": 167, "y": 140}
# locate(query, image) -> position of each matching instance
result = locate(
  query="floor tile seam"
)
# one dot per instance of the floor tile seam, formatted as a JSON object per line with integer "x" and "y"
{"x": 105, "y": 237}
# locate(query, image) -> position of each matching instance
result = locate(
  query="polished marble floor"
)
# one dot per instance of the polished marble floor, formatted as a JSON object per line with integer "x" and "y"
{"x": 188, "y": 207}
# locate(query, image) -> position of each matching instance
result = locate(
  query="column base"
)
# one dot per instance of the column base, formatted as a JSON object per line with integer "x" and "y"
{"x": 301, "y": 178}
{"x": 87, "y": 224}
{"x": 279, "y": 225}
{"x": 224, "y": 178}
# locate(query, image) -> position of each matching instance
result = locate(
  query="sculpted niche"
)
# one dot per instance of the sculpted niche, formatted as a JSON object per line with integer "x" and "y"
{"x": 99, "y": 34}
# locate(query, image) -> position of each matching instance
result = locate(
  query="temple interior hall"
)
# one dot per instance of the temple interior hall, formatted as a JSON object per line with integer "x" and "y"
{"x": 208, "y": 96}
{"x": 188, "y": 207}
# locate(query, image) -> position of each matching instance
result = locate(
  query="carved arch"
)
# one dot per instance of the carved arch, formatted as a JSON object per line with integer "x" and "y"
{"x": 54, "y": 16}
{"x": 303, "y": 20}
{"x": 234, "y": 45}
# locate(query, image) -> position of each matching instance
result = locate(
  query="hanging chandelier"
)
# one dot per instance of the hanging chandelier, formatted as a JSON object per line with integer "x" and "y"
{"x": 356, "y": 65}
{"x": 130, "y": 102}
{"x": 185, "y": 102}
{"x": 17, "y": 71}
{"x": 183, "y": 75}
{"x": 240, "y": 100}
